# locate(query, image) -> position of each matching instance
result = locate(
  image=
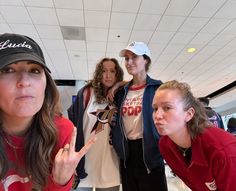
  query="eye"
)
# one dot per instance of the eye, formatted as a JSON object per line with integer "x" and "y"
{"x": 155, "y": 109}
{"x": 134, "y": 56}
{"x": 6, "y": 70}
{"x": 113, "y": 71}
{"x": 35, "y": 70}
{"x": 126, "y": 59}
{"x": 166, "y": 108}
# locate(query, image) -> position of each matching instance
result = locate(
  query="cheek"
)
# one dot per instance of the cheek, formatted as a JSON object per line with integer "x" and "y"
{"x": 126, "y": 65}
{"x": 175, "y": 118}
{"x": 6, "y": 93}
{"x": 103, "y": 80}
{"x": 114, "y": 78}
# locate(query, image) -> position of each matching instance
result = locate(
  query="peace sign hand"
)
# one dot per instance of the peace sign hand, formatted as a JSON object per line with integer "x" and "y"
{"x": 67, "y": 159}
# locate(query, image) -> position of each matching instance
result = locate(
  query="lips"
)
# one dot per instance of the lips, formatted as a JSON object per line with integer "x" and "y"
{"x": 158, "y": 124}
{"x": 24, "y": 97}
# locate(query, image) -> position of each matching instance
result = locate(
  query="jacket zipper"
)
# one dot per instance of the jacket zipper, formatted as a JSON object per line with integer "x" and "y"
{"x": 148, "y": 170}
{"x": 122, "y": 128}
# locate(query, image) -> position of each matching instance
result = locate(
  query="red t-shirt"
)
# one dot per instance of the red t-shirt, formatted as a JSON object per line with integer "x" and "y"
{"x": 213, "y": 162}
{"x": 17, "y": 179}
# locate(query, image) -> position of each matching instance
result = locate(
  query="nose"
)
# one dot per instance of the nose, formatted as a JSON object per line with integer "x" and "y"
{"x": 23, "y": 79}
{"x": 129, "y": 60}
{"x": 107, "y": 75}
{"x": 128, "y": 63}
{"x": 157, "y": 114}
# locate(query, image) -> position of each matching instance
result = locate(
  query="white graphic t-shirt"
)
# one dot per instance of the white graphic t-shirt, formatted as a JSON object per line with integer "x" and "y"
{"x": 101, "y": 161}
{"x": 132, "y": 113}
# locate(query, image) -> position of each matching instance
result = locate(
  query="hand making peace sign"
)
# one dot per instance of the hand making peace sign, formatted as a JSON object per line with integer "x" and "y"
{"x": 67, "y": 159}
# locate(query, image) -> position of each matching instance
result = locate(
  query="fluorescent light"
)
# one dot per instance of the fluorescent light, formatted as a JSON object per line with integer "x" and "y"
{"x": 191, "y": 50}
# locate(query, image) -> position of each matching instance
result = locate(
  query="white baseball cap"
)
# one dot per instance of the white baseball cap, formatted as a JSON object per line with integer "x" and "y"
{"x": 138, "y": 48}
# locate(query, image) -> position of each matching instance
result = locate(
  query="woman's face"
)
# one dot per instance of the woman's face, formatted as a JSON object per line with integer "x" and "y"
{"x": 22, "y": 87}
{"x": 169, "y": 115}
{"x": 134, "y": 64}
{"x": 108, "y": 74}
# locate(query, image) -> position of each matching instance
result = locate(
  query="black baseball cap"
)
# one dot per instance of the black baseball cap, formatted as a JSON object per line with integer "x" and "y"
{"x": 16, "y": 47}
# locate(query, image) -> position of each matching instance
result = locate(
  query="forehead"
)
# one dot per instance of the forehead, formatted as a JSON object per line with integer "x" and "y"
{"x": 24, "y": 63}
{"x": 128, "y": 53}
{"x": 108, "y": 64}
{"x": 167, "y": 95}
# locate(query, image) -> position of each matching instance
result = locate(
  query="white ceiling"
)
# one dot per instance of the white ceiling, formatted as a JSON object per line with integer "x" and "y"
{"x": 169, "y": 27}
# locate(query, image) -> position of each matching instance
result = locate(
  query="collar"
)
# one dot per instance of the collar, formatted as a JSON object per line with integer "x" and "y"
{"x": 149, "y": 81}
{"x": 198, "y": 156}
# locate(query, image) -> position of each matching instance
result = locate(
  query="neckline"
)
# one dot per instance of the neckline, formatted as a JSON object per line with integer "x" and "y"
{"x": 12, "y": 141}
{"x": 184, "y": 150}
{"x": 138, "y": 87}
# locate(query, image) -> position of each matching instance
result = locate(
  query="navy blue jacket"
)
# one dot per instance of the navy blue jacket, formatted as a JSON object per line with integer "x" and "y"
{"x": 75, "y": 114}
{"x": 152, "y": 156}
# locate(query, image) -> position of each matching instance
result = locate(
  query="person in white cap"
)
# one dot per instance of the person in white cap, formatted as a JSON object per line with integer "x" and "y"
{"x": 134, "y": 136}
{"x": 37, "y": 144}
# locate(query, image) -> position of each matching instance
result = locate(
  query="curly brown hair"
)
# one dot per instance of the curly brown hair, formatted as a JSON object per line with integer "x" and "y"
{"x": 200, "y": 120}
{"x": 96, "y": 84}
{"x": 41, "y": 139}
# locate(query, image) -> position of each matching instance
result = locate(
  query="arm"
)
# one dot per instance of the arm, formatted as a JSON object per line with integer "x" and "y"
{"x": 65, "y": 163}
{"x": 225, "y": 171}
{"x": 56, "y": 187}
{"x": 75, "y": 113}
{"x": 112, "y": 91}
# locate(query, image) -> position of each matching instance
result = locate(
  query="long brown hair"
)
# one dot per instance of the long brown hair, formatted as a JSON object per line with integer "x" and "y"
{"x": 200, "y": 120}
{"x": 96, "y": 82}
{"x": 41, "y": 139}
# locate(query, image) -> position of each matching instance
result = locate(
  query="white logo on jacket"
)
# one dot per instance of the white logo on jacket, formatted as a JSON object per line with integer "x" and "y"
{"x": 12, "y": 179}
{"x": 211, "y": 185}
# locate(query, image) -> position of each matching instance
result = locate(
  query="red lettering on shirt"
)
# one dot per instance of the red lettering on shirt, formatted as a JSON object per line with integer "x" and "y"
{"x": 131, "y": 110}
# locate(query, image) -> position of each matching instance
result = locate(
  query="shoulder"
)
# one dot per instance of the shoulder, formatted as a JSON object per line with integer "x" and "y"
{"x": 218, "y": 146}
{"x": 217, "y": 138}
{"x": 62, "y": 122}
{"x": 165, "y": 143}
{"x": 151, "y": 81}
{"x": 64, "y": 126}
{"x": 84, "y": 88}
{"x": 64, "y": 132}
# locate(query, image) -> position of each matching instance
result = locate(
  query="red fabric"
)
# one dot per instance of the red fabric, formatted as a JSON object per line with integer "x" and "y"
{"x": 213, "y": 162}
{"x": 17, "y": 179}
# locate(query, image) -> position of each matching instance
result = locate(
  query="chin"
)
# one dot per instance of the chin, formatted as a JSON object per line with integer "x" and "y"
{"x": 108, "y": 85}
{"x": 161, "y": 131}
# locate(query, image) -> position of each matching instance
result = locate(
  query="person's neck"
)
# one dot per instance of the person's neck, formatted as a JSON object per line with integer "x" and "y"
{"x": 16, "y": 126}
{"x": 139, "y": 79}
{"x": 181, "y": 139}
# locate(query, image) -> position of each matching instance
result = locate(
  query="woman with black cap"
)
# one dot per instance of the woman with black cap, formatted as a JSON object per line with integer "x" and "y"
{"x": 37, "y": 144}
{"x": 134, "y": 136}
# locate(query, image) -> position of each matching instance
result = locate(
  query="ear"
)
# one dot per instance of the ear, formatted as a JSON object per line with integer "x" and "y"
{"x": 189, "y": 114}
